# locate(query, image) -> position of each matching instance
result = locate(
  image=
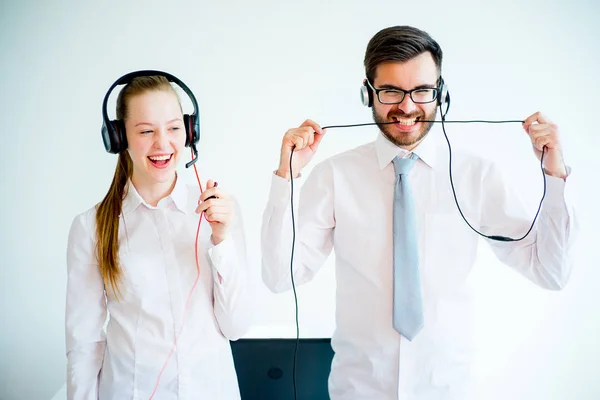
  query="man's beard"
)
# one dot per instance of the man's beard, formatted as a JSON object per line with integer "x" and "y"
{"x": 402, "y": 139}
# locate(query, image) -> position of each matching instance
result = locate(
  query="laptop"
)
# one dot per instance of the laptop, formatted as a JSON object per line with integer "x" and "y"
{"x": 265, "y": 367}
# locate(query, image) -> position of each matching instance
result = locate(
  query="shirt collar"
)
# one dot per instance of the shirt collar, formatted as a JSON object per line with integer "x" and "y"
{"x": 387, "y": 151}
{"x": 178, "y": 197}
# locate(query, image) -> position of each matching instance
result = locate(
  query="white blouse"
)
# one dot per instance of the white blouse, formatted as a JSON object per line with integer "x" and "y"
{"x": 122, "y": 357}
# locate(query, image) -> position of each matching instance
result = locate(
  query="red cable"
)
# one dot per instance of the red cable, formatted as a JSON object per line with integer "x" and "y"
{"x": 187, "y": 303}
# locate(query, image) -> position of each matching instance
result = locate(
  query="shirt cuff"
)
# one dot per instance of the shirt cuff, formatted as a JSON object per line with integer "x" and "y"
{"x": 555, "y": 190}
{"x": 222, "y": 257}
{"x": 280, "y": 193}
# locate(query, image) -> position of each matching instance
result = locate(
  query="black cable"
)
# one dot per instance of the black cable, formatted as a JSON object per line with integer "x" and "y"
{"x": 493, "y": 237}
{"x": 443, "y": 121}
{"x": 426, "y": 120}
{"x": 292, "y": 274}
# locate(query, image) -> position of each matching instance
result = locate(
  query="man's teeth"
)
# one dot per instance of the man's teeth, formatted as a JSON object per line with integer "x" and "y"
{"x": 160, "y": 158}
{"x": 407, "y": 122}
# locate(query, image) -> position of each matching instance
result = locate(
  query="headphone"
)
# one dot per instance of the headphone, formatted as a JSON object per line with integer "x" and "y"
{"x": 367, "y": 95}
{"x": 113, "y": 132}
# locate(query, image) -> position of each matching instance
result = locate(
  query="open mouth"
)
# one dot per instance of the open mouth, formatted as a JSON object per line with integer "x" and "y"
{"x": 160, "y": 161}
{"x": 406, "y": 122}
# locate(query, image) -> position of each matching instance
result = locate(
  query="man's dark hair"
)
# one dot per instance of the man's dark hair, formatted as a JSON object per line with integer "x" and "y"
{"x": 400, "y": 44}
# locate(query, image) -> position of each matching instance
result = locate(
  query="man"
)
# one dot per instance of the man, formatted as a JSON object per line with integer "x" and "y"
{"x": 403, "y": 251}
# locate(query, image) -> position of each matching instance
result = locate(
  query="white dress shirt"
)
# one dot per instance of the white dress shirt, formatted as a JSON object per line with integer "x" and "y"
{"x": 156, "y": 251}
{"x": 346, "y": 205}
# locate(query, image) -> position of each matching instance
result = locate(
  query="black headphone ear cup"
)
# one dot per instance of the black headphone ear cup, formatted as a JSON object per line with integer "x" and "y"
{"x": 106, "y": 138}
{"x": 447, "y": 101}
{"x": 366, "y": 95}
{"x": 191, "y": 129}
{"x": 113, "y": 136}
{"x": 195, "y": 123}
{"x": 444, "y": 97}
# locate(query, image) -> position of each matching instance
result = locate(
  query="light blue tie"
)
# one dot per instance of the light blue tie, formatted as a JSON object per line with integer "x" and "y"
{"x": 408, "y": 304}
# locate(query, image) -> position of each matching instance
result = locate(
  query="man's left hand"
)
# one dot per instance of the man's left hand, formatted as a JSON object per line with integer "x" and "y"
{"x": 544, "y": 133}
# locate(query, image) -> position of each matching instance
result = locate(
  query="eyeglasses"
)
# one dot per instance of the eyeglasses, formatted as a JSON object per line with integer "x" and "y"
{"x": 396, "y": 96}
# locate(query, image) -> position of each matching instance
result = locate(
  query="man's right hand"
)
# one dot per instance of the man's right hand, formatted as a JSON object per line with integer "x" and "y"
{"x": 305, "y": 141}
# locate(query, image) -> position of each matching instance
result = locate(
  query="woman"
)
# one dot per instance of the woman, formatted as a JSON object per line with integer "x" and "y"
{"x": 172, "y": 311}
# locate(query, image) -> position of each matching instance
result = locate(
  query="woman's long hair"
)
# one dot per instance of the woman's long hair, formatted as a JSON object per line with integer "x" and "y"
{"x": 109, "y": 209}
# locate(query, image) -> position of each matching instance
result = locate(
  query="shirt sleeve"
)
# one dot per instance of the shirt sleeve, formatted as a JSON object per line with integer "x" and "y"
{"x": 314, "y": 224}
{"x": 85, "y": 313}
{"x": 232, "y": 294}
{"x": 543, "y": 256}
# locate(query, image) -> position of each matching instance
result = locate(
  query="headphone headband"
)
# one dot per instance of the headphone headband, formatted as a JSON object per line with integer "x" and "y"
{"x": 127, "y": 78}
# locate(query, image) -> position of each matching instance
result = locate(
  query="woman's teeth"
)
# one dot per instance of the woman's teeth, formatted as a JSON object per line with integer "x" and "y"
{"x": 159, "y": 158}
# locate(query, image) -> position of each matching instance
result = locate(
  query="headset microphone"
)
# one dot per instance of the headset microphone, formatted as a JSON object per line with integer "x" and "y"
{"x": 194, "y": 155}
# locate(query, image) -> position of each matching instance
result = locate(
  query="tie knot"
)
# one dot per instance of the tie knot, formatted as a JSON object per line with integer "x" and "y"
{"x": 402, "y": 166}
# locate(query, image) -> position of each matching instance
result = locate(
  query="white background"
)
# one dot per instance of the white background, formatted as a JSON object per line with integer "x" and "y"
{"x": 257, "y": 69}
